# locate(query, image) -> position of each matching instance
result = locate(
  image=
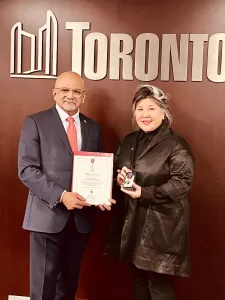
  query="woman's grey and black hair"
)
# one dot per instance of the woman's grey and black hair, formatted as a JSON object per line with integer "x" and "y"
{"x": 150, "y": 91}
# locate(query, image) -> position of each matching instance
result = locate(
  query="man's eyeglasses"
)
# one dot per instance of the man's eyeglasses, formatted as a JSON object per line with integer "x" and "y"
{"x": 65, "y": 91}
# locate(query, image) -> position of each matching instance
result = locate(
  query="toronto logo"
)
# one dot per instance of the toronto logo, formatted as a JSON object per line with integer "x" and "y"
{"x": 118, "y": 56}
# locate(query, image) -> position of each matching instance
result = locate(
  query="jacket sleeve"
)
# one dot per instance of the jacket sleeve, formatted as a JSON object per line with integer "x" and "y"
{"x": 115, "y": 162}
{"x": 181, "y": 165}
{"x": 100, "y": 146}
{"x": 30, "y": 166}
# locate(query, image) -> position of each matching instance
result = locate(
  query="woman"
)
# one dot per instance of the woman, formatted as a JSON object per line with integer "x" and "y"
{"x": 151, "y": 231}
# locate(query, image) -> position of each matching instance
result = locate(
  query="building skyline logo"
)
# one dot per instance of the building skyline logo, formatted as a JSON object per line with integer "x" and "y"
{"x": 43, "y": 63}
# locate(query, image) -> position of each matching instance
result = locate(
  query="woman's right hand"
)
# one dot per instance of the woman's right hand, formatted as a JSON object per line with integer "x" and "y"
{"x": 122, "y": 175}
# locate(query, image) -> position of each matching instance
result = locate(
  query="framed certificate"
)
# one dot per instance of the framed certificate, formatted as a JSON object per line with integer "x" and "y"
{"x": 92, "y": 176}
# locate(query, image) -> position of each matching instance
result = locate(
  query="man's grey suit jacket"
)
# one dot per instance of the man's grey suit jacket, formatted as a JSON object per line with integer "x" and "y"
{"x": 45, "y": 163}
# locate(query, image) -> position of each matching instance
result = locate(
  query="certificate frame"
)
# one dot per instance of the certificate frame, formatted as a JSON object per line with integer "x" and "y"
{"x": 90, "y": 179}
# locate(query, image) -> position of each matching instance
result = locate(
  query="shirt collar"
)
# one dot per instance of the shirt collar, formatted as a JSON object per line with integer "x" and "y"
{"x": 63, "y": 115}
{"x": 149, "y": 135}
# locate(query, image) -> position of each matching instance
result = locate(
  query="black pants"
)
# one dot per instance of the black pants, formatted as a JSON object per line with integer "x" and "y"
{"x": 55, "y": 261}
{"x": 150, "y": 285}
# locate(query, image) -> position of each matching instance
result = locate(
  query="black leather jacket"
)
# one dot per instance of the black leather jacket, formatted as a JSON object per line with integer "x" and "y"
{"x": 152, "y": 231}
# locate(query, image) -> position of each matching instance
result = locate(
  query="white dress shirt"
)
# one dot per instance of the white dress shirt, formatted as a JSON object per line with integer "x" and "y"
{"x": 63, "y": 116}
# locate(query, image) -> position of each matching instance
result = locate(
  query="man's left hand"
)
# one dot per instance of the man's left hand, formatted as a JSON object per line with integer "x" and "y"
{"x": 107, "y": 206}
{"x": 134, "y": 194}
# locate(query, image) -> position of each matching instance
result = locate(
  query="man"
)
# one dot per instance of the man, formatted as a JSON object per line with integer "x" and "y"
{"x": 59, "y": 221}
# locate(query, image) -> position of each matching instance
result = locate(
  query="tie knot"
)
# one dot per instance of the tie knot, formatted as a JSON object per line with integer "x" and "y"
{"x": 70, "y": 120}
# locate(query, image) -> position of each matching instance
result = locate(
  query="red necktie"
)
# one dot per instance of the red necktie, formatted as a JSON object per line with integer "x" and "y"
{"x": 72, "y": 134}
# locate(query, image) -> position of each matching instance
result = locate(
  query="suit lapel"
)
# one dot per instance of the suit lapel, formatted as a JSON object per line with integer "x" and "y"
{"x": 58, "y": 126}
{"x": 84, "y": 131}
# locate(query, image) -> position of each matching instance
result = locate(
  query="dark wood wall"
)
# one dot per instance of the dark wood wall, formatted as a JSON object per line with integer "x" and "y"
{"x": 198, "y": 109}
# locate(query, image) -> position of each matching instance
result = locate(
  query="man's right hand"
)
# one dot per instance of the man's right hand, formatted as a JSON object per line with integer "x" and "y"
{"x": 74, "y": 200}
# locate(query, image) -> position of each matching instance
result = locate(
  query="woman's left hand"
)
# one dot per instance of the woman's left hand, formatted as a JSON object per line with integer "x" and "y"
{"x": 134, "y": 194}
